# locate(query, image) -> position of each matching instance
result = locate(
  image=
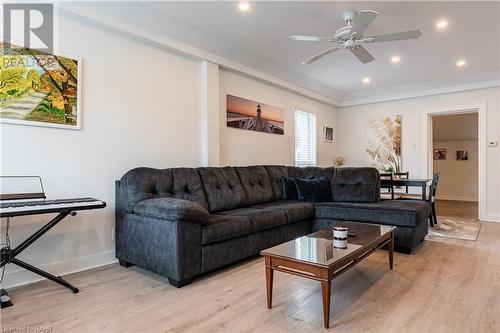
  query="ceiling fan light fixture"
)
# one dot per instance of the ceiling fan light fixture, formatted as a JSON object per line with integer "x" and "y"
{"x": 352, "y": 36}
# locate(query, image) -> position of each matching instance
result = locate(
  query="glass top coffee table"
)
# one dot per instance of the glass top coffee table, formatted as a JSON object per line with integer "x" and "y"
{"x": 315, "y": 257}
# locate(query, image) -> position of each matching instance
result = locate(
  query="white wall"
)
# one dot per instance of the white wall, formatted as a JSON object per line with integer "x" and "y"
{"x": 141, "y": 107}
{"x": 351, "y": 122}
{"x": 242, "y": 147}
{"x": 458, "y": 179}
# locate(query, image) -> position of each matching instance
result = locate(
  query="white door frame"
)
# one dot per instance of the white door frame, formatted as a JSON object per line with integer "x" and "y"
{"x": 480, "y": 109}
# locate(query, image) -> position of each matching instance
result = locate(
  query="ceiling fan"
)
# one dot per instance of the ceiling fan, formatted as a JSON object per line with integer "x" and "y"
{"x": 351, "y": 36}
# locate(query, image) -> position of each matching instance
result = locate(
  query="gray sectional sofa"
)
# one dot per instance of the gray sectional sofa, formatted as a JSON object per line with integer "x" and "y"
{"x": 183, "y": 222}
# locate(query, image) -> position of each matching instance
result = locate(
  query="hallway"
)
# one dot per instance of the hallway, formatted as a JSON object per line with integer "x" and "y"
{"x": 457, "y": 208}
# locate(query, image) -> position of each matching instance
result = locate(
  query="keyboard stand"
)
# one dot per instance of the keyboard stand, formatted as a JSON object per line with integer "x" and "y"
{"x": 8, "y": 256}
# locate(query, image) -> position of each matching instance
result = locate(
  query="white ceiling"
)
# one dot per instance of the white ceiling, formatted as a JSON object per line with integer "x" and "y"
{"x": 259, "y": 39}
{"x": 460, "y": 127}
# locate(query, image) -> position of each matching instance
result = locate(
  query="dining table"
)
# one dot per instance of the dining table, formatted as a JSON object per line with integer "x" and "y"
{"x": 410, "y": 182}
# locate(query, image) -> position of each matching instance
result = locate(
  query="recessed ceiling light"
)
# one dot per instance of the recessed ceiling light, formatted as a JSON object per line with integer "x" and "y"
{"x": 244, "y": 6}
{"x": 442, "y": 24}
{"x": 366, "y": 80}
{"x": 395, "y": 59}
{"x": 460, "y": 63}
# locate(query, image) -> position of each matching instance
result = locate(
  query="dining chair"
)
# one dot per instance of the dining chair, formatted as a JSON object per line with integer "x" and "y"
{"x": 389, "y": 195}
{"x": 401, "y": 175}
{"x": 431, "y": 198}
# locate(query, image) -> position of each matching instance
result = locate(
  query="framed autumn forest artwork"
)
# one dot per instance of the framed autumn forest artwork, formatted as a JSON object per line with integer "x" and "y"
{"x": 38, "y": 88}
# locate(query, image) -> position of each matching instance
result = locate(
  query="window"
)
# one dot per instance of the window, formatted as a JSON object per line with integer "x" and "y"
{"x": 305, "y": 138}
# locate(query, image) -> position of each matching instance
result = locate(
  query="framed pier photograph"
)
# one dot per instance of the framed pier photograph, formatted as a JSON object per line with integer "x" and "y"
{"x": 254, "y": 116}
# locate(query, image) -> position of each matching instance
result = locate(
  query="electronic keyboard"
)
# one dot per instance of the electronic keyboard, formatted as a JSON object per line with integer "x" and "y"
{"x": 11, "y": 209}
{"x": 19, "y": 197}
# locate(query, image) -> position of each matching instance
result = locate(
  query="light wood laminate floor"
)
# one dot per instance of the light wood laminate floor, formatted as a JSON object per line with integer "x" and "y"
{"x": 457, "y": 208}
{"x": 445, "y": 286}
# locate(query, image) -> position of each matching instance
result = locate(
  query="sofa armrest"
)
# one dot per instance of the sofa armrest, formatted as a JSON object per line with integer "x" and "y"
{"x": 172, "y": 209}
{"x": 171, "y": 248}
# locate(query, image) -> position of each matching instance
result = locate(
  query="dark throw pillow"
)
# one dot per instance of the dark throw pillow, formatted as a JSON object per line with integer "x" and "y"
{"x": 314, "y": 190}
{"x": 289, "y": 189}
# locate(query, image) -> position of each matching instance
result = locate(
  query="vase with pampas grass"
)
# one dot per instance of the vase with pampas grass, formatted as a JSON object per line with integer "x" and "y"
{"x": 339, "y": 161}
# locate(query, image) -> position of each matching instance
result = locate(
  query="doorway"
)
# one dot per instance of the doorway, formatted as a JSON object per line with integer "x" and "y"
{"x": 455, "y": 155}
{"x": 428, "y": 160}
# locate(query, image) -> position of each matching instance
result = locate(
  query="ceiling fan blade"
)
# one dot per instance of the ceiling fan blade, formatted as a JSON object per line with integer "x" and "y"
{"x": 321, "y": 55}
{"x": 362, "y": 54}
{"x": 364, "y": 19}
{"x": 310, "y": 38}
{"x": 411, "y": 34}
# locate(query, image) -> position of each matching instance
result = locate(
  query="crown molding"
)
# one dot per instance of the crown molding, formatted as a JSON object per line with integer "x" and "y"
{"x": 464, "y": 83}
{"x": 292, "y": 82}
{"x": 268, "y": 71}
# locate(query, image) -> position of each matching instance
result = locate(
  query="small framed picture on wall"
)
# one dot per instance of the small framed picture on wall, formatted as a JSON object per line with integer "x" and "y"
{"x": 462, "y": 155}
{"x": 327, "y": 134}
{"x": 439, "y": 153}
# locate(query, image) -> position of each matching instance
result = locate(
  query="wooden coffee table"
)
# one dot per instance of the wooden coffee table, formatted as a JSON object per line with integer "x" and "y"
{"x": 314, "y": 256}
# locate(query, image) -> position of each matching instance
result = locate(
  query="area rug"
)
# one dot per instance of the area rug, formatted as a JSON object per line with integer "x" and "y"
{"x": 466, "y": 228}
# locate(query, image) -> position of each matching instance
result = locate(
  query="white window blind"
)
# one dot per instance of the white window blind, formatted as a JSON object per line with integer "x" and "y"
{"x": 305, "y": 138}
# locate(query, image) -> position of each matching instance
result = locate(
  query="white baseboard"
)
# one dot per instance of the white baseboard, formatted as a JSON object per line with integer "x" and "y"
{"x": 491, "y": 218}
{"x": 16, "y": 276}
{"x": 455, "y": 198}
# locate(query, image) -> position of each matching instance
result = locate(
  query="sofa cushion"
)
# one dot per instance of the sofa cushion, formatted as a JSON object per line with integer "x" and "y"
{"x": 224, "y": 227}
{"x": 256, "y": 183}
{"x": 294, "y": 211}
{"x": 275, "y": 174}
{"x": 311, "y": 172}
{"x": 406, "y": 213}
{"x": 289, "y": 189}
{"x": 171, "y": 209}
{"x": 187, "y": 185}
{"x": 313, "y": 190}
{"x": 356, "y": 185}
{"x": 149, "y": 183}
{"x": 223, "y": 188}
{"x": 260, "y": 218}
